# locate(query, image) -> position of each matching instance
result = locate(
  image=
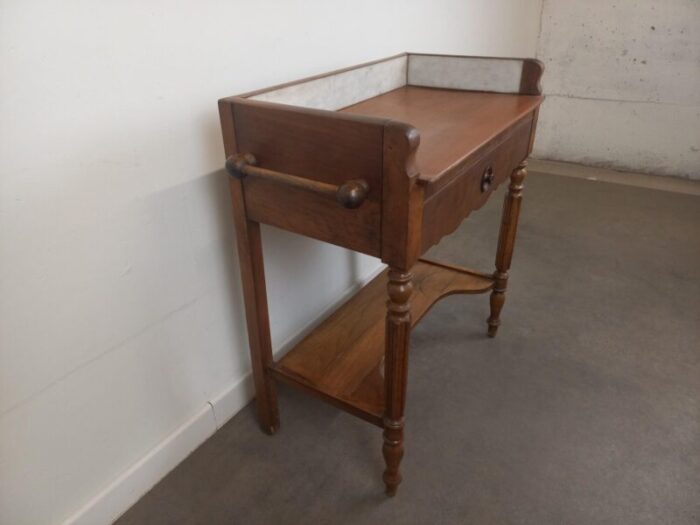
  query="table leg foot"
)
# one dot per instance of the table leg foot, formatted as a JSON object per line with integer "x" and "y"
{"x": 393, "y": 452}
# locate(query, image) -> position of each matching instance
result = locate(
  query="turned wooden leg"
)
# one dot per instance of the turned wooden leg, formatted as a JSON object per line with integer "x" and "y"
{"x": 255, "y": 296}
{"x": 398, "y": 331}
{"x": 506, "y": 240}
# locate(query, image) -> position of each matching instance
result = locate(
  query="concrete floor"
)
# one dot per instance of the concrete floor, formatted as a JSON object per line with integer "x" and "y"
{"x": 584, "y": 410}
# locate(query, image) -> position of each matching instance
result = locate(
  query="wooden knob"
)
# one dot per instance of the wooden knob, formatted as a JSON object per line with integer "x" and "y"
{"x": 236, "y": 164}
{"x": 487, "y": 179}
{"x": 352, "y": 194}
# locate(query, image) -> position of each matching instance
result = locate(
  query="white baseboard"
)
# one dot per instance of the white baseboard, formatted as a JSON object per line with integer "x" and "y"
{"x": 115, "y": 499}
{"x": 112, "y": 501}
{"x": 232, "y": 399}
{"x": 626, "y": 178}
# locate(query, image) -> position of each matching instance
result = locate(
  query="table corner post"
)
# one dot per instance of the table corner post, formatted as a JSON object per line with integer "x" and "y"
{"x": 402, "y": 204}
{"x": 250, "y": 256}
{"x": 398, "y": 329}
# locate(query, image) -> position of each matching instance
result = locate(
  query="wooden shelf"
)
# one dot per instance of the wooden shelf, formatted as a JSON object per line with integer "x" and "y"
{"x": 341, "y": 360}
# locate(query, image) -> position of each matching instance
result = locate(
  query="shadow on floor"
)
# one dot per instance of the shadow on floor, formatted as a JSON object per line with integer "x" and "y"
{"x": 584, "y": 410}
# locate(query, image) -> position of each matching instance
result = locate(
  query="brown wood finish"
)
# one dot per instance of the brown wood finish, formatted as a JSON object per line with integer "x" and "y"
{"x": 252, "y": 270}
{"x": 532, "y": 74}
{"x": 462, "y": 134}
{"x": 398, "y": 333}
{"x": 389, "y": 176}
{"x": 402, "y": 205}
{"x": 341, "y": 357}
{"x": 288, "y": 140}
{"x": 255, "y": 295}
{"x": 533, "y": 131}
{"x": 454, "y": 126}
{"x": 350, "y": 194}
{"x": 445, "y": 210}
{"x": 506, "y": 242}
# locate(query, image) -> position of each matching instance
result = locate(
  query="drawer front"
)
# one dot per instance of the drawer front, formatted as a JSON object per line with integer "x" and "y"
{"x": 444, "y": 211}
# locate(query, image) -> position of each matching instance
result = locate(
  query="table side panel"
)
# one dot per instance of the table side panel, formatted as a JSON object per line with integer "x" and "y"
{"x": 319, "y": 217}
{"x": 317, "y": 145}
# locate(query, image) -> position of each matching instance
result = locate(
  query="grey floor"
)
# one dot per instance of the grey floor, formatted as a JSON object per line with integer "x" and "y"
{"x": 584, "y": 410}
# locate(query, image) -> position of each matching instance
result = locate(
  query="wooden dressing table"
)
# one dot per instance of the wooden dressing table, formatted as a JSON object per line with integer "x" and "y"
{"x": 384, "y": 158}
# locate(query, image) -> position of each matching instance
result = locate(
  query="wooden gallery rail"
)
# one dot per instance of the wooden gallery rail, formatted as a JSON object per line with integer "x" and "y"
{"x": 385, "y": 159}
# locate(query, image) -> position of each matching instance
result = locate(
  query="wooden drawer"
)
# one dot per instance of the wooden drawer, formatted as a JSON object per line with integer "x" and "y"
{"x": 444, "y": 210}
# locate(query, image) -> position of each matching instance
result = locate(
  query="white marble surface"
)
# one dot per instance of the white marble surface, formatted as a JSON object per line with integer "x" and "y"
{"x": 342, "y": 89}
{"x": 477, "y": 74}
{"x": 350, "y": 87}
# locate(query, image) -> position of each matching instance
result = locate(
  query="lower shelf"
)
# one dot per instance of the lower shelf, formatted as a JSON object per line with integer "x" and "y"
{"x": 341, "y": 360}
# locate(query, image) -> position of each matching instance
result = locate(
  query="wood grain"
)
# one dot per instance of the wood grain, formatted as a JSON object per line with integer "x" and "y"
{"x": 340, "y": 359}
{"x": 389, "y": 176}
{"x": 402, "y": 203}
{"x": 397, "y": 340}
{"x": 453, "y": 125}
{"x": 252, "y": 269}
{"x": 506, "y": 242}
{"x": 320, "y": 146}
{"x": 444, "y": 211}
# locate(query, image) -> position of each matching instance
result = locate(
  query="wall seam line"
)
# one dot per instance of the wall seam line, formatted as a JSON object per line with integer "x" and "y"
{"x": 603, "y": 99}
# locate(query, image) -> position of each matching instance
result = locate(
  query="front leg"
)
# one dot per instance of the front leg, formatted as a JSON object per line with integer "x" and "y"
{"x": 506, "y": 241}
{"x": 398, "y": 331}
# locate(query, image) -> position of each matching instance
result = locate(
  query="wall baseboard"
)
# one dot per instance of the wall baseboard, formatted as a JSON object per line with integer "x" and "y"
{"x": 112, "y": 501}
{"x": 626, "y": 178}
{"x": 123, "y": 492}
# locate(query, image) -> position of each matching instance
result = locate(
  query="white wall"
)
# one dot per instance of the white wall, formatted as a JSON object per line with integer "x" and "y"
{"x": 622, "y": 81}
{"x": 122, "y": 337}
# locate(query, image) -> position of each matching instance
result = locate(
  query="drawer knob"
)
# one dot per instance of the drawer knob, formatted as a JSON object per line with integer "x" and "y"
{"x": 487, "y": 179}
